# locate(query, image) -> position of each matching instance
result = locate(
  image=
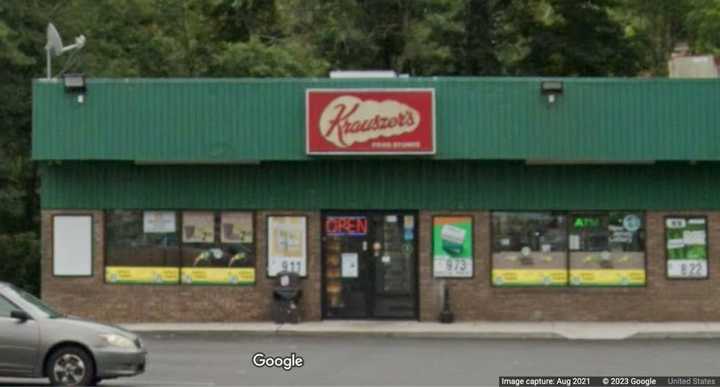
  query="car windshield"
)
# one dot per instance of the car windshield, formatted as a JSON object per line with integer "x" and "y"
{"x": 37, "y": 303}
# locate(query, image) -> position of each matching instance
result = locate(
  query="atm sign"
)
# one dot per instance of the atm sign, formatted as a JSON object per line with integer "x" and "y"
{"x": 346, "y": 226}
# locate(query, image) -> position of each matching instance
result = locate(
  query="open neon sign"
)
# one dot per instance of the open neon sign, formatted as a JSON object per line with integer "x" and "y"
{"x": 346, "y": 226}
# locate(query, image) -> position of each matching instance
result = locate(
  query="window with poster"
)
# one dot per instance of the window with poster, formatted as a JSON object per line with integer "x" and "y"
{"x": 218, "y": 248}
{"x": 529, "y": 249}
{"x": 287, "y": 244}
{"x": 141, "y": 247}
{"x": 686, "y": 247}
{"x": 607, "y": 248}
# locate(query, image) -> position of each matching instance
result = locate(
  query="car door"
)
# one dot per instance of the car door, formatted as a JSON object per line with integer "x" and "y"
{"x": 19, "y": 342}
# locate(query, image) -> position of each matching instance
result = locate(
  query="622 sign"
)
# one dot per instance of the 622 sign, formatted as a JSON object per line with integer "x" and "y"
{"x": 686, "y": 247}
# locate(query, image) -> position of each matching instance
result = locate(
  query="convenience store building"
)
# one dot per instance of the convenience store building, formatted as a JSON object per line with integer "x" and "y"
{"x": 528, "y": 199}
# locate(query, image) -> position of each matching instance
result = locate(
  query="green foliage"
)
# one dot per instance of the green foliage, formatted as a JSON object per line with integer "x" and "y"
{"x": 654, "y": 27}
{"x": 562, "y": 42}
{"x": 21, "y": 260}
{"x": 255, "y": 59}
{"x": 703, "y": 26}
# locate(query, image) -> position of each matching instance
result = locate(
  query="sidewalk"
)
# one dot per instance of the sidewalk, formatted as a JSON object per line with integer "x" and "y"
{"x": 477, "y": 330}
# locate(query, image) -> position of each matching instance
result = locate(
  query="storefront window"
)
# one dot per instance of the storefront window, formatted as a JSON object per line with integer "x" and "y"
{"x": 529, "y": 249}
{"x": 192, "y": 247}
{"x": 142, "y": 247}
{"x": 218, "y": 248}
{"x": 607, "y": 249}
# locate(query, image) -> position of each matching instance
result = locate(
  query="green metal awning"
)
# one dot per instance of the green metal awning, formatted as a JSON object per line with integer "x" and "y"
{"x": 253, "y": 120}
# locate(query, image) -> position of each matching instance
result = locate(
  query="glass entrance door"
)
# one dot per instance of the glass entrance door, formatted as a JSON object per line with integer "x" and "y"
{"x": 370, "y": 264}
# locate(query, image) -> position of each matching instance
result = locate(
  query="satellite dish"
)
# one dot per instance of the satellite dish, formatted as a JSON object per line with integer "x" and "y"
{"x": 54, "y": 42}
{"x": 55, "y": 46}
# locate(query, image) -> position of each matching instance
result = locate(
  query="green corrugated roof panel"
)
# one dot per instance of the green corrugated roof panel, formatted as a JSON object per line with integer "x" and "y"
{"x": 231, "y": 120}
{"x": 381, "y": 184}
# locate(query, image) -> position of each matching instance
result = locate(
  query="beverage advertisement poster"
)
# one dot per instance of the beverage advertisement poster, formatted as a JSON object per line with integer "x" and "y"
{"x": 287, "y": 245}
{"x": 686, "y": 246}
{"x": 452, "y": 246}
{"x": 198, "y": 227}
{"x": 236, "y": 227}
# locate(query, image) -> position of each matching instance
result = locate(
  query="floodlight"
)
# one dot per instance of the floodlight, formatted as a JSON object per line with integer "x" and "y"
{"x": 74, "y": 83}
{"x": 551, "y": 89}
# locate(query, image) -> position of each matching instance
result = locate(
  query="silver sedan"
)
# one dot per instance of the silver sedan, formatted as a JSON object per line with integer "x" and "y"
{"x": 38, "y": 342}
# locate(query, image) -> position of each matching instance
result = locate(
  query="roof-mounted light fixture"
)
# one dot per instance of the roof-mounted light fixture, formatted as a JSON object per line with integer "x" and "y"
{"x": 551, "y": 89}
{"x": 75, "y": 84}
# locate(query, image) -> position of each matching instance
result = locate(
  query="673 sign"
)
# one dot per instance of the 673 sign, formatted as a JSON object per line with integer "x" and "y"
{"x": 452, "y": 267}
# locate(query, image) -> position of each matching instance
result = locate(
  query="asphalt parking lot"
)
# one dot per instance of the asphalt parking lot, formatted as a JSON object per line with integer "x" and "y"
{"x": 225, "y": 360}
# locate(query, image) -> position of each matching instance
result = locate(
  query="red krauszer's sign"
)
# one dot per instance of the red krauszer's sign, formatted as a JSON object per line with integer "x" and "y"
{"x": 370, "y": 121}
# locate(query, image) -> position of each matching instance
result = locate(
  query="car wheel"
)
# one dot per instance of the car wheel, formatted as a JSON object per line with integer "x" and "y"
{"x": 96, "y": 381}
{"x": 70, "y": 366}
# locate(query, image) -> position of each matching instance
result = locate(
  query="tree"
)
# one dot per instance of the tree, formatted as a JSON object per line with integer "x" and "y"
{"x": 703, "y": 26}
{"x": 654, "y": 27}
{"x": 570, "y": 38}
{"x": 479, "y": 51}
{"x": 21, "y": 40}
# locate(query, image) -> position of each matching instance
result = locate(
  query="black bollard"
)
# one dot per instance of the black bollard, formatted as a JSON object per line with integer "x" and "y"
{"x": 446, "y": 316}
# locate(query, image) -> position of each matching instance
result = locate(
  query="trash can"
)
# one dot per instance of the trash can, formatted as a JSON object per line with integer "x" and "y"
{"x": 286, "y": 297}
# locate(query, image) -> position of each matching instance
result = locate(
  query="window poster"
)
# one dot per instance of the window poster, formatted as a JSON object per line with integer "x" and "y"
{"x": 142, "y": 275}
{"x": 158, "y": 222}
{"x": 218, "y": 276}
{"x": 236, "y": 227}
{"x": 232, "y": 262}
{"x": 198, "y": 227}
{"x": 529, "y": 249}
{"x": 607, "y": 249}
{"x": 452, "y": 247}
{"x": 287, "y": 244}
{"x": 686, "y": 246}
{"x": 142, "y": 247}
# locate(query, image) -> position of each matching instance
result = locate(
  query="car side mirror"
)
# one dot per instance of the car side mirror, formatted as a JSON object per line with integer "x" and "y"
{"x": 20, "y": 315}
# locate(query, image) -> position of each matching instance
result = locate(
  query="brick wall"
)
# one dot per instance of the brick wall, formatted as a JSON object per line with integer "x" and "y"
{"x": 471, "y": 299}
{"x": 93, "y": 298}
{"x": 660, "y": 300}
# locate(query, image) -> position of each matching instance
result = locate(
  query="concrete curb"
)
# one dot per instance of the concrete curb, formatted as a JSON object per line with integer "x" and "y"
{"x": 415, "y": 330}
{"x": 424, "y": 335}
{"x": 409, "y": 335}
{"x": 674, "y": 335}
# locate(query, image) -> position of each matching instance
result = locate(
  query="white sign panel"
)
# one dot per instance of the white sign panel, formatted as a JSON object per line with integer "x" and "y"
{"x": 349, "y": 265}
{"x": 287, "y": 245}
{"x": 72, "y": 245}
{"x": 687, "y": 268}
{"x": 160, "y": 222}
